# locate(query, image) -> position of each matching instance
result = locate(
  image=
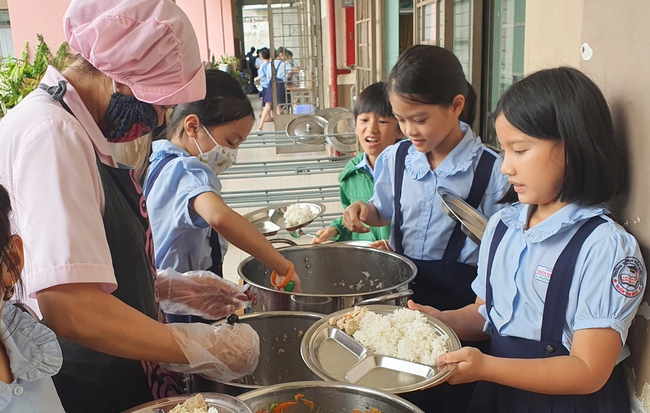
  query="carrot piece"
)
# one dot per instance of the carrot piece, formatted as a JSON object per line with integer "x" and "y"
{"x": 356, "y": 411}
{"x": 373, "y": 410}
{"x": 299, "y": 396}
{"x": 283, "y": 406}
{"x": 309, "y": 403}
{"x": 261, "y": 410}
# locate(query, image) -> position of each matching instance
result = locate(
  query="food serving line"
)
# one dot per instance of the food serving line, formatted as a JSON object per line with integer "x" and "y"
{"x": 306, "y": 364}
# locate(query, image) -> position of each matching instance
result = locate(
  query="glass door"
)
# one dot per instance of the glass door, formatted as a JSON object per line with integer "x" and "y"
{"x": 504, "y": 57}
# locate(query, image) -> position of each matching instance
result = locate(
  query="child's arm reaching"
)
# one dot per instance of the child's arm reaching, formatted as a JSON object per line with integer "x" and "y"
{"x": 592, "y": 359}
{"x": 359, "y": 213}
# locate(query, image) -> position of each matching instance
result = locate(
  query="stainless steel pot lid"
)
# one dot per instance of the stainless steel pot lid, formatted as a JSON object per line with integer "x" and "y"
{"x": 340, "y": 131}
{"x": 222, "y": 402}
{"x": 270, "y": 220}
{"x": 327, "y": 113}
{"x": 335, "y": 356}
{"x": 472, "y": 222}
{"x": 307, "y": 129}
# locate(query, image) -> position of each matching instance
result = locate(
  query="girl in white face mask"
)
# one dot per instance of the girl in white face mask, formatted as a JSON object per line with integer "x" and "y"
{"x": 191, "y": 224}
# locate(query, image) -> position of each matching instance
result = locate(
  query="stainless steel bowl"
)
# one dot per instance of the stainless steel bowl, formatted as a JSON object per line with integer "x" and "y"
{"x": 222, "y": 402}
{"x": 328, "y": 398}
{"x": 333, "y": 277}
{"x": 280, "y": 360}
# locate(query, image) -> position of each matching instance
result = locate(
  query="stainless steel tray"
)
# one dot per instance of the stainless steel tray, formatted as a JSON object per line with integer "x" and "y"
{"x": 335, "y": 356}
{"x": 222, "y": 402}
{"x": 270, "y": 220}
{"x": 472, "y": 222}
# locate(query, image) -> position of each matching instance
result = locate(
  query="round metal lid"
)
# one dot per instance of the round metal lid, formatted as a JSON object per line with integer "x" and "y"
{"x": 340, "y": 131}
{"x": 472, "y": 222}
{"x": 327, "y": 113}
{"x": 335, "y": 356}
{"x": 222, "y": 402}
{"x": 307, "y": 129}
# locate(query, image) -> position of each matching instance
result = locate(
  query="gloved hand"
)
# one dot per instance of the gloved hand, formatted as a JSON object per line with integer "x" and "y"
{"x": 226, "y": 352}
{"x": 199, "y": 293}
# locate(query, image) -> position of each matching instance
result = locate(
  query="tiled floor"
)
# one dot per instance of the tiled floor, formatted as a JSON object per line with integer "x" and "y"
{"x": 235, "y": 255}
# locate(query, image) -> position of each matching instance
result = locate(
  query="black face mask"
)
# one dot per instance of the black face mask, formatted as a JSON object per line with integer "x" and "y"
{"x": 127, "y": 119}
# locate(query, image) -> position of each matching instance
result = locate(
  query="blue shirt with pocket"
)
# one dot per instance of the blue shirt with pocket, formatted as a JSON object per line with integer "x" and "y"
{"x": 607, "y": 286}
{"x": 425, "y": 225}
{"x": 181, "y": 237}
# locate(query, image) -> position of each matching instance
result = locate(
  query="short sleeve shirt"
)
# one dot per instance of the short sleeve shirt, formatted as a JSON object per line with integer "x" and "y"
{"x": 607, "y": 285}
{"x": 181, "y": 237}
{"x": 425, "y": 225}
{"x": 48, "y": 163}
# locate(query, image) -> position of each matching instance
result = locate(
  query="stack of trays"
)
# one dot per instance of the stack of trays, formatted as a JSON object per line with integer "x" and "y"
{"x": 335, "y": 356}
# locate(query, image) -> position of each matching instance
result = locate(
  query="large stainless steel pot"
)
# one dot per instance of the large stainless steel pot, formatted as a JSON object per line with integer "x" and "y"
{"x": 280, "y": 360}
{"x": 333, "y": 277}
{"x": 328, "y": 397}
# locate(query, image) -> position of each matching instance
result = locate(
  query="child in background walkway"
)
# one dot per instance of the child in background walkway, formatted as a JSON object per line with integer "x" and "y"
{"x": 191, "y": 224}
{"x": 559, "y": 281}
{"x": 29, "y": 354}
{"x": 376, "y": 129}
{"x": 434, "y": 106}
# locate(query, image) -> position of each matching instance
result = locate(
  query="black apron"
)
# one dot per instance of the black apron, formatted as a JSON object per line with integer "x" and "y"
{"x": 90, "y": 381}
{"x": 217, "y": 265}
{"x": 444, "y": 284}
{"x": 492, "y": 397}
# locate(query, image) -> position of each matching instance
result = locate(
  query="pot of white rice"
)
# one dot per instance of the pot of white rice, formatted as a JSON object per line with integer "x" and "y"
{"x": 333, "y": 277}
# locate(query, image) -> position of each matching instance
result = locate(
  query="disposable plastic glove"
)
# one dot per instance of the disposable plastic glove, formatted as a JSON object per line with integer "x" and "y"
{"x": 226, "y": 352}
{"x": 199, "y": 293}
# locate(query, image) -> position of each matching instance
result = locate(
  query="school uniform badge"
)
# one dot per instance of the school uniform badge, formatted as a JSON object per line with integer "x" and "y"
{"x": 626, "y": 277}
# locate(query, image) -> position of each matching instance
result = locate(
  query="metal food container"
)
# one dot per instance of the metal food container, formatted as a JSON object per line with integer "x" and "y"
{"x": 472, "y": 222}
{"x": 280, "y": 334}
{"x": 335, "y": 356}
{"x": 327, "y": 398}
{"x": 333, "y": 277}
{"x": 223, "y": 403}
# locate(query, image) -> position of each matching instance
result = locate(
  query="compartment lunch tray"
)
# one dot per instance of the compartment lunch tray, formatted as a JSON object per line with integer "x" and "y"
{"x": 335, "y": 356}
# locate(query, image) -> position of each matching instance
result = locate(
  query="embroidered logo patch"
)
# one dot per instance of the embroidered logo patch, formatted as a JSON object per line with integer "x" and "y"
{"x": 626, "y": 277}
{"x": 543, "y": 274}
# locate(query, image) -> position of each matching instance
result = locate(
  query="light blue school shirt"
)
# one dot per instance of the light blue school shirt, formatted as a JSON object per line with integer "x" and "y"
{"x": 365, "y": 165}
{"x": 523, "y": 265}
{"x": 425, "y": 225}
{"x": 265, "y": 72}
{"x": 34, "y": 357}
{"x": 181, "y": 238}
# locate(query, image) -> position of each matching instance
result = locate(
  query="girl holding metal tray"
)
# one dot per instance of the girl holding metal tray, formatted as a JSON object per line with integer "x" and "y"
{"x": 559, "y": 282}
{"x": 191, "y": 224}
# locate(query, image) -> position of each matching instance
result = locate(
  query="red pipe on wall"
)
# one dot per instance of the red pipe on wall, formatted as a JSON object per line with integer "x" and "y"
{"x": 334, "y": 71}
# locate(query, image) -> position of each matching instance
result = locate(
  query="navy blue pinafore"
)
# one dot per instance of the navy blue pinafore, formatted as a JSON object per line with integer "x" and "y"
{"x": 491, "y": 397}
{"x": 444, "y": 284}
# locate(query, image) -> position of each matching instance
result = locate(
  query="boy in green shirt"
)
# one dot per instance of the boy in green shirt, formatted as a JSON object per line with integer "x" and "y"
{"x": 376, "y": 129}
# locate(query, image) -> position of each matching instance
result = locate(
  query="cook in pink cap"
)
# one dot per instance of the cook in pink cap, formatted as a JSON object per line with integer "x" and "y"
{"x": 89, "y": 265}
{"x": 148, "y": 45}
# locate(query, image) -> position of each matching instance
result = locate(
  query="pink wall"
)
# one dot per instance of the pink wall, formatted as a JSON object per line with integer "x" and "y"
{"x": 29, "y": 17}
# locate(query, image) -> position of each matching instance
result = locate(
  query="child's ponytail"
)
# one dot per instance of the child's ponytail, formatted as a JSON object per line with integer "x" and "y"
{"x": 468, "y": 115}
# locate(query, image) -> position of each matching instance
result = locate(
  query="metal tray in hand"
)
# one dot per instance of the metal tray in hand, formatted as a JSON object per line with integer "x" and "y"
{"x": 472, "y": 222}
{"x": 341, "y": 132}
{"x": 335, "y": 356}
{"x": 223, "y": 403}
{"x": 270, "y": 220}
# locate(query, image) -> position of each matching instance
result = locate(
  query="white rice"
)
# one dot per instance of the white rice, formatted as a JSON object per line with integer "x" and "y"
{"x": 296, "y": 215}
{"x": 404, "y": 334}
